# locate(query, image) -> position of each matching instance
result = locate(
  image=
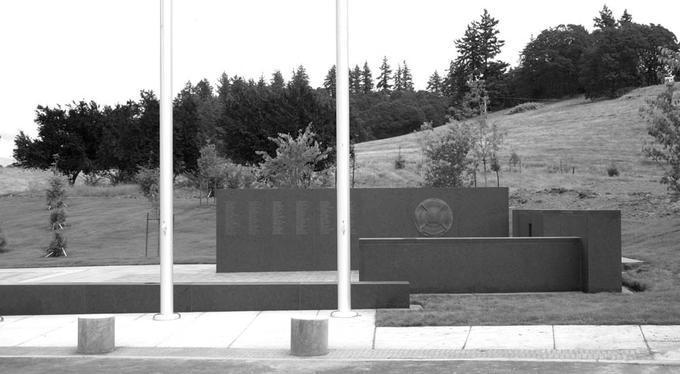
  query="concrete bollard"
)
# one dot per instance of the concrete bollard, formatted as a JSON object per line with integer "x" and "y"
{"x": 96, "y": 335}
{"x": 309, "y": 336}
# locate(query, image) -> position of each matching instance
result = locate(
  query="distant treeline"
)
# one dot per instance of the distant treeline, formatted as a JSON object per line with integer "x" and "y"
{"x": 239, "y": 115}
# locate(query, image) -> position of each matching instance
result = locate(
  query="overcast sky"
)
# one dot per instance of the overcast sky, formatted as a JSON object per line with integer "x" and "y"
{"x": 56, "y": 51}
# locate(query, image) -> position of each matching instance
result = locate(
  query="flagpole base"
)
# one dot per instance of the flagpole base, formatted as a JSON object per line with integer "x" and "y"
{"x": 347, "y": 314}
{"x": 166, "y": 317}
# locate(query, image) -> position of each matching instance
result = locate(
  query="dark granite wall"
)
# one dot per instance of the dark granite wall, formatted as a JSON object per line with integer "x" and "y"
{"x": 600, "y": 231}
{"x": 467, "y": 265}
{"x": 293, "y": 229}
{"x": 85, "y": 298}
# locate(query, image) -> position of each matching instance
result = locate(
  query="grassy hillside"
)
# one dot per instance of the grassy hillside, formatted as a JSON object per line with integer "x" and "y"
{"x": 577, "y": 133}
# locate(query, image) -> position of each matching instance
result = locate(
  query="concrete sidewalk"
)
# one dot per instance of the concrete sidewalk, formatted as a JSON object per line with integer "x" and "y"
{"x": 267, "y": 335}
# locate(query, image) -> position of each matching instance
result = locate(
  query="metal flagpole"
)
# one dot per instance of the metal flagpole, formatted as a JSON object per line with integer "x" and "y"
{"x": 165, "y": 182}
{"x": 342, "y": 149}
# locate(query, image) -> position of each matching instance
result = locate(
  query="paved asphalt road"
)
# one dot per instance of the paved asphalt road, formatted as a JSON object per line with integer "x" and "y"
{"x": 86, "y": 365}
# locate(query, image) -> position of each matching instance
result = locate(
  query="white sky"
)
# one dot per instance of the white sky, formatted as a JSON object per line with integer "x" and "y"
{"x": 56, "y": 51}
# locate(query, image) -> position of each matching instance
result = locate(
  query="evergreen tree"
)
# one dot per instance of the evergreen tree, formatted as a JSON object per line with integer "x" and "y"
{"x": 476, "y": 50}
{"x": 626, "y": 18}
{"x": 606, "y": 19}
{"x": 355, "y": 80}
{"x": 385, "y": 76}
{"x": 434, "y": 84}
{"x": 261, "y": 83}
{"x": 203, "y": 89}
{"x": 366, "y": 79}
{"x": 406, "y": 78}
{"x": 329, "y": 81}
{"x": 479, "y": 45}
{"x": 300, "y": 79}
{"x": 277, "y": 82}
{"x": 223, "y": 86}
{"x": 398, "y": 82}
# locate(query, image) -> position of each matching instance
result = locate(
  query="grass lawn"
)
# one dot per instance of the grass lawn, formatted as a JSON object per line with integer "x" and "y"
{"x": 106, "y": 228}
{"x": 569, "y": 308}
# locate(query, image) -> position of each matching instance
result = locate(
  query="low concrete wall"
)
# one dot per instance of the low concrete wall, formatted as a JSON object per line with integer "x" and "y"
{"x": 468, "y": 265}
{"x": 600, "y": 231}
{"x": 86, "y": 298}
{"x": 295, "y": 229}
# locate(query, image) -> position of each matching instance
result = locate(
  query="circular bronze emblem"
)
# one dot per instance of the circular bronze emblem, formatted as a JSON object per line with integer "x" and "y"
{"x": 433, "y": 217}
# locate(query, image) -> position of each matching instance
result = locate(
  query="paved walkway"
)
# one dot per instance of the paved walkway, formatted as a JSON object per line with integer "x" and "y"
{"x": 205, "y": 273}
{"x": 267, "y": 335}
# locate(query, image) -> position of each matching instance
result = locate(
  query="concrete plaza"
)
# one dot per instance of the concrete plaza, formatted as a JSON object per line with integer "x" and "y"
{"x": 266, "y": 334}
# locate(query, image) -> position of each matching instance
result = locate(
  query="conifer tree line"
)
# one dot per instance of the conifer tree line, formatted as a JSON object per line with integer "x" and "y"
{"x": 240, "y": 115}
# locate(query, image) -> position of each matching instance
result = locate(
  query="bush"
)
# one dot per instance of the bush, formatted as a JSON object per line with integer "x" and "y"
{"x": 148, "y": 181}
{"x": 514, "y": 161}
{"x": 612, "y": 170}
{"x": 295, "y": 162}
{"x": 663, "y": 124}
{"x": 238, "y": 176}
{"x": 447, "y": 158}
{"x": 3, "y": 241}
{"x": 56, "y": 204}
{"x": 526, "y": 107}
{"x": 57, "y": 247}
{"x": 399, "y": 163}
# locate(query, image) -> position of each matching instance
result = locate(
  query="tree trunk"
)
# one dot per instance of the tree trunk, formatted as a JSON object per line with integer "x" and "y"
{"x": 484, "y": 162}
{"x": 73, "y": 177}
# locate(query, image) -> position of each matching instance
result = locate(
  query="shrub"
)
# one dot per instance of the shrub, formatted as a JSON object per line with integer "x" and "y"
{"x": 663, "y": 124}
{"x": 56, "y": 204}
{"x": 612, "y": 170}
{"x": 514, "y": 160}
{"x": 148, "y": 181}
{"x": 57, "y": 247}
{"x": 399, "y": 163}
{"x": 447, "y": 158}
{"x": 3, "y": 241}
{"x": 295, "y": 161}
{"x": 238, "y": 176}
{"x": 526, "y": 107}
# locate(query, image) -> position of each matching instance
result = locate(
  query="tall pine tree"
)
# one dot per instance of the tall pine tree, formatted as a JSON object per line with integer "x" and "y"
{"x": 626, "y": 18}
{"x": 385, "y": 77}
{"x": 223, "y": 88}
{"x": 406, "y": 78}
{"x": 366, "y": 79}
{"x": 476, "y": 50}
{"x": 398, "y": 82}
{"x": 606, "y": 19}
{"x": 355, "y": 80}
{"x": 277, "y": 83}
{"x": 329, "y": 81}
{"x": 434, "y": 84}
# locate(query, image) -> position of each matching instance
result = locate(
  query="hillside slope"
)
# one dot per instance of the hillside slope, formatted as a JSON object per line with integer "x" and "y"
{"x": 578, "y": 133}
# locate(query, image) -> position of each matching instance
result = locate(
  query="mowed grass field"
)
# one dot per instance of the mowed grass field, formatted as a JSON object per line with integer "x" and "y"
{"x": 107, "y": 224}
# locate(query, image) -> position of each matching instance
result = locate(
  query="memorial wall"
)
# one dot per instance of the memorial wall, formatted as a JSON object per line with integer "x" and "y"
{"x": 295, "y": 229}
